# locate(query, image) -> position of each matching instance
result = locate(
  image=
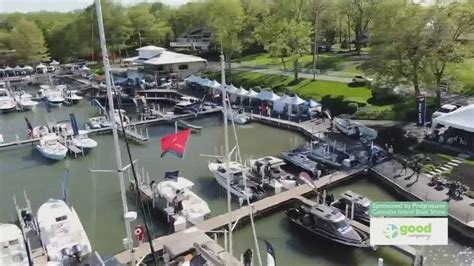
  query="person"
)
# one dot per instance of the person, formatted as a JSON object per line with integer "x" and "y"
{"x": 248, "y": 255}
{"x": 405, "y": 166}
{"x": 267, "y": 172}
{"x": 390, "y": 151}
{"x": 178, "y": 202}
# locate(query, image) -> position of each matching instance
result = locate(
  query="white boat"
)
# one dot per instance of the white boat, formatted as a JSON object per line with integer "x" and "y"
{"x": 195, "y": 209}
{"x": 39, "y": 132}
{"x": 7, "y": 104}
{"x": 99, "y": 122}
{"x": 62, "y": 233}
{"x": 55, "y": 97}
{"x": 13, "y": 246}
{"x": 184, "y": 104}
{"x": 121, "y": 113}
{"x": 50, "y": 147}
{"x": 268, "y": 169}
{"x": 238, "y": 116}
{"x": 328, "y": 154}
{"x": 346, "y": 127}
{"x": 251, "y": 191}
{"x": 25, "y": 101}
{"x": 83, "y": 142}
{"x": 71, "y": 96}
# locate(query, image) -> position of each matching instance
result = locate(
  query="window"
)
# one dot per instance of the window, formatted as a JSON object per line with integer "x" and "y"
{"x": 182, "y": 67}
{"x": 61, "y": 218}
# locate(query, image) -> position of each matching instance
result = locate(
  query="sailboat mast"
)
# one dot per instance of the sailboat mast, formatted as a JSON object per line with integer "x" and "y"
{"x": 226, "y": 145}
{"x": 118, "y": 156}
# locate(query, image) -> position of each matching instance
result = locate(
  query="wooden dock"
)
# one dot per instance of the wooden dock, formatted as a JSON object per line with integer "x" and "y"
{"x": 259, "y": 208}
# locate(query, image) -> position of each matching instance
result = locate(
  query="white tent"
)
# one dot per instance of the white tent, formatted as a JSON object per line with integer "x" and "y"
{"x": 251, "y": 94}
{"x": 54, "y": 63}
{"x": 205, "y": 82}
{"x": 29, "y": 68}
{"x": 214, "y": 84}
{"x": 242, "y": 92}
{"x": 279, "y": 105}
{"x": 267, "y": 96}
{"x": 296, "y": 100}
{"x": 462, "y": 119}
{"x": 8, "y": 68}
{"x": 85, "y": 68}
{"x": 18, "y": 68}
{"x": 190, "y": 79}
{"x": 41, "y": 68}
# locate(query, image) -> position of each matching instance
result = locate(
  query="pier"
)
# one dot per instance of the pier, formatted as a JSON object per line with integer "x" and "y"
{"x": 461, "y": 212}
{"x": 259, "y": 208}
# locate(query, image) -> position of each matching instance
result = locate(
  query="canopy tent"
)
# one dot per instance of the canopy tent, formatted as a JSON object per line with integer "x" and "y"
{"x": 8, "y": 69}
{"x": 85, "y": 68}
{"x": 205, "y": 82}
{"x": 29, "y": 68}
{"x": 214, "y": 84}
{"x": 296, "y": 100}
{"x": 311, "y": 103}
{"x": 265, "y": 95}
{"x": 242, "y": 92}
{"x": 459, "y": 119}
{"x": 18, "y": 68}
{"x": 41, "y": 68}
{"x": 191, "y": 79}
{"x": 54, "y": 63}
{"x": 280, "y": 104}
{"x": 251, "y": 94}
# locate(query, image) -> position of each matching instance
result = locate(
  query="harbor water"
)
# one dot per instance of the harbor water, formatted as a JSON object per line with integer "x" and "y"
{"x": 96, "y": 197}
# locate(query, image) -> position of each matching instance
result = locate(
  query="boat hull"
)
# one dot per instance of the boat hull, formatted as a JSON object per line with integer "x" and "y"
{"x": 57, "y": 156}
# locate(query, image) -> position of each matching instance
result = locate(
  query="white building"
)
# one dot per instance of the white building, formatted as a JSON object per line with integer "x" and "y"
{"x": 196, "y": 39}
{"x": 158, "y": 60}
{"x": 435, "y": 2}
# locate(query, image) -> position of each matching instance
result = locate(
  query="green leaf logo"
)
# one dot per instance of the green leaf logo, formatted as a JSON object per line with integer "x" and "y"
{"x": 391, "y": 231}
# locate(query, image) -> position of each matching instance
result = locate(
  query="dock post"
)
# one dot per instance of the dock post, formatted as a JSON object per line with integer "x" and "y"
{"x": 352, "y": 211}
{"x": 347, "y": 210}
{"x": 380, "y": 262}
{"x": 225, "y": 239}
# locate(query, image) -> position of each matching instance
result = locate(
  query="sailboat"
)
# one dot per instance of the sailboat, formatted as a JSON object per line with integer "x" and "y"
{"x": 13, "y": 246}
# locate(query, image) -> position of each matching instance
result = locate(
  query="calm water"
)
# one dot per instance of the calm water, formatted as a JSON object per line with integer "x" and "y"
{"x": 97, "y": 200}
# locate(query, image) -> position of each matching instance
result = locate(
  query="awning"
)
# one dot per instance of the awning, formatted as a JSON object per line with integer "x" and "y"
{"x": 461, "y": 119}
{"x": 265, "y": 95}
{"x": 295, "y": 100}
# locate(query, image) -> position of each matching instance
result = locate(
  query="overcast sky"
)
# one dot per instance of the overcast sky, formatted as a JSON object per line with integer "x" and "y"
{"x": 65, "y": 5}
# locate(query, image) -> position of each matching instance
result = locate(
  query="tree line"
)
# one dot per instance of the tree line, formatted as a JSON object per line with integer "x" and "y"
{"x": 408, "y": 42}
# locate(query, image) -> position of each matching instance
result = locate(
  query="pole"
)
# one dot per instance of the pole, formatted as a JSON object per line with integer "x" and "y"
{"x": 226, "y": 145}
{"x": 118, "y": 157}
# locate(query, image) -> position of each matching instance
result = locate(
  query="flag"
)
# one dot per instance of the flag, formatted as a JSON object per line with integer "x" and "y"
{"x": 65, "y": 185}
{"x": 74, "y": 125}
{"x": 271, "y": 259}
{"x": 175, "y": 143}
{"x": 30, "y": 127}
{"x": 172, "y": 175}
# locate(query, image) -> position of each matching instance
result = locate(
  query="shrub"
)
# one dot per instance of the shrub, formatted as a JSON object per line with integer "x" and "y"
{"x": 352, "y": 107}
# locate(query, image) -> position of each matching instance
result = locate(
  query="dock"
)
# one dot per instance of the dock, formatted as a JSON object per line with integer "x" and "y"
{"x": 461, "y": 212}
{"x": 409, "y": 251}
{"x": 259, "y": 208}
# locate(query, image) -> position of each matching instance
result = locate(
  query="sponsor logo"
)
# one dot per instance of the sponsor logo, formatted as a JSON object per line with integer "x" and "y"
{"x": 408, "y": 231}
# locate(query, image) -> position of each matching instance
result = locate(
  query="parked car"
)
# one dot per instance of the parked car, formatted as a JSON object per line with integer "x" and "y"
{"x": 445, "y": 109}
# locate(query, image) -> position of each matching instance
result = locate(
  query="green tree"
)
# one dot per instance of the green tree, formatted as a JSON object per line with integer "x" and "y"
{"x": 226, "y": 19}
{"x": 28, "y": 41}
{"x": 141, "y": 18}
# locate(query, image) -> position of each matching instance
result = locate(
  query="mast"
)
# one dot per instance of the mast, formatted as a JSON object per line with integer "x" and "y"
{"x": 118, "y": 157}
{"x": 226, "y": 144}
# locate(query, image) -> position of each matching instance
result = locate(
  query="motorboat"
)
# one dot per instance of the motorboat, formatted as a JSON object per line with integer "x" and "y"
{"x": 62, "y": 233}
{"x": 328, "y": 154}
{"x": 195, "y": 209}
{"x": 99, "y": 122}
{"x": 63, "y": 128}
{"x": 7, "y": 104}
{"x": 238, "y": 116}
{"x": 300, "y": 159}
{"x": 121, "y": 113}
{"x": 54, "y": 97}
{"x": 50, "y": 147}
{"x": 347, "y": 127}
{"x": 360, "y": 203}
{"x": 71, "y": 96}
{"x": 250, "y": 191}
{"x": 83, "y": 142}
{"x": 268, "y": 170}
{"x": 185, "y": 125}
{"x": 39, "y": 132}
{"x": 185, "y": 103}
{"x": 13, "y": 246}
{"x": 328, "y": 222}
{"x": 25, "y": 102}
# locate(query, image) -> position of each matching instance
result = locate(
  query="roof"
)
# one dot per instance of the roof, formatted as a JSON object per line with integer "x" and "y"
{"x": 242, "y": 91}
{"x": 352, "y": 196}
{"x": 296, "y": 100}
{"x": 150, "y": 48}
{"x": 167, "y": 58}
{"x": 460, "y": 119}
{"x": 9, "y": 232}
{"x": 267, "y": 96}
{"x": 251, "y": 93}
{"x": 327, "y": 213}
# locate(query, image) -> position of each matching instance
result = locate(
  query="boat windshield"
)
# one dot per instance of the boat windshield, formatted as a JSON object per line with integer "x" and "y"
{"x": 341, "y": 226}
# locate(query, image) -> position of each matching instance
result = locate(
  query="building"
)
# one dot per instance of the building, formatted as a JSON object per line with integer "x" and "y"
{"x": 196, "y": 39}
{"x": 434, "y": 2}
{"x": 159, "y": 61}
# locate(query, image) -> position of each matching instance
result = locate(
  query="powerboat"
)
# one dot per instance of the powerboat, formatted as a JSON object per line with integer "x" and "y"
{"x": 54, "y": 97}
{"x": 184, "y": 104}
{"x": 39, "y": 132}
{"x": 71, "y": 96}
{"x": 300, "y": 159}
{"x": 50, "y": 147}
{"x": 347, "y": 127}
{"x": 328, "y": 154}
{"x": 269, "y": 171}
{"x": 328, "y": 222}
{"x": 125, "y": 118}
{"x": 251, "y": 191}
{"x": 7, "y": 104}
{"x": 99, "y": 122}
{"x": 195, "y": 209}
{"x": 360, "y": 203}
{"x": 25, "y": 102}
{"x": 238, "y": 116}
{"x": 83, "y": 142}
{"x": 62, "y": 233}
{"x": 13, "y": 246}
{"x": 63, "y": 128}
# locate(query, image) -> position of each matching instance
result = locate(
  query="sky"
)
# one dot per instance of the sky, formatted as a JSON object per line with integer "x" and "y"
{"x": 8, "y": 6}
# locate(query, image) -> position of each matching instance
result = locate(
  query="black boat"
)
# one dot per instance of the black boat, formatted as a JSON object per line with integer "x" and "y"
{"x": 361, "y": 206}
{"x": 328, "y": 222}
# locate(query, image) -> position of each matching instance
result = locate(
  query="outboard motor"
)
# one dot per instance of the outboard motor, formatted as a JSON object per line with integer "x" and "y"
{"x": 66, "y": 252}
{"x": 77, "y": 251}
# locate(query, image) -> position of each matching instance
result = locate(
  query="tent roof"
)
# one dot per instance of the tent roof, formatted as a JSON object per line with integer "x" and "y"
{"x": 296, "y": 100}
{"x": 28, "y": 67}
{"x": 265, "y": 95}
{"x": 190, "y": 78}
{"x": 54, "y": 62}
{"x": 232, "y": 89}
{"x": 242, "y": 92}
{"x": 85, "y": 68}
{"x": 284, "y": 98}
{"x": 8, "y": 68}
{"x": 312, "y": 103}
{"x": 204, "y": 82}
{"x": 460, "y": 119}
{"x": 251, "y": 93}
{"x": 214, "y": 84}
{"x": 41, "y": 66}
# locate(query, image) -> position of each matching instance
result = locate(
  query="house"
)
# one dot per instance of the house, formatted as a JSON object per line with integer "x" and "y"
{"x": 196, "y": 39}
{"x": 159, "y": 61}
